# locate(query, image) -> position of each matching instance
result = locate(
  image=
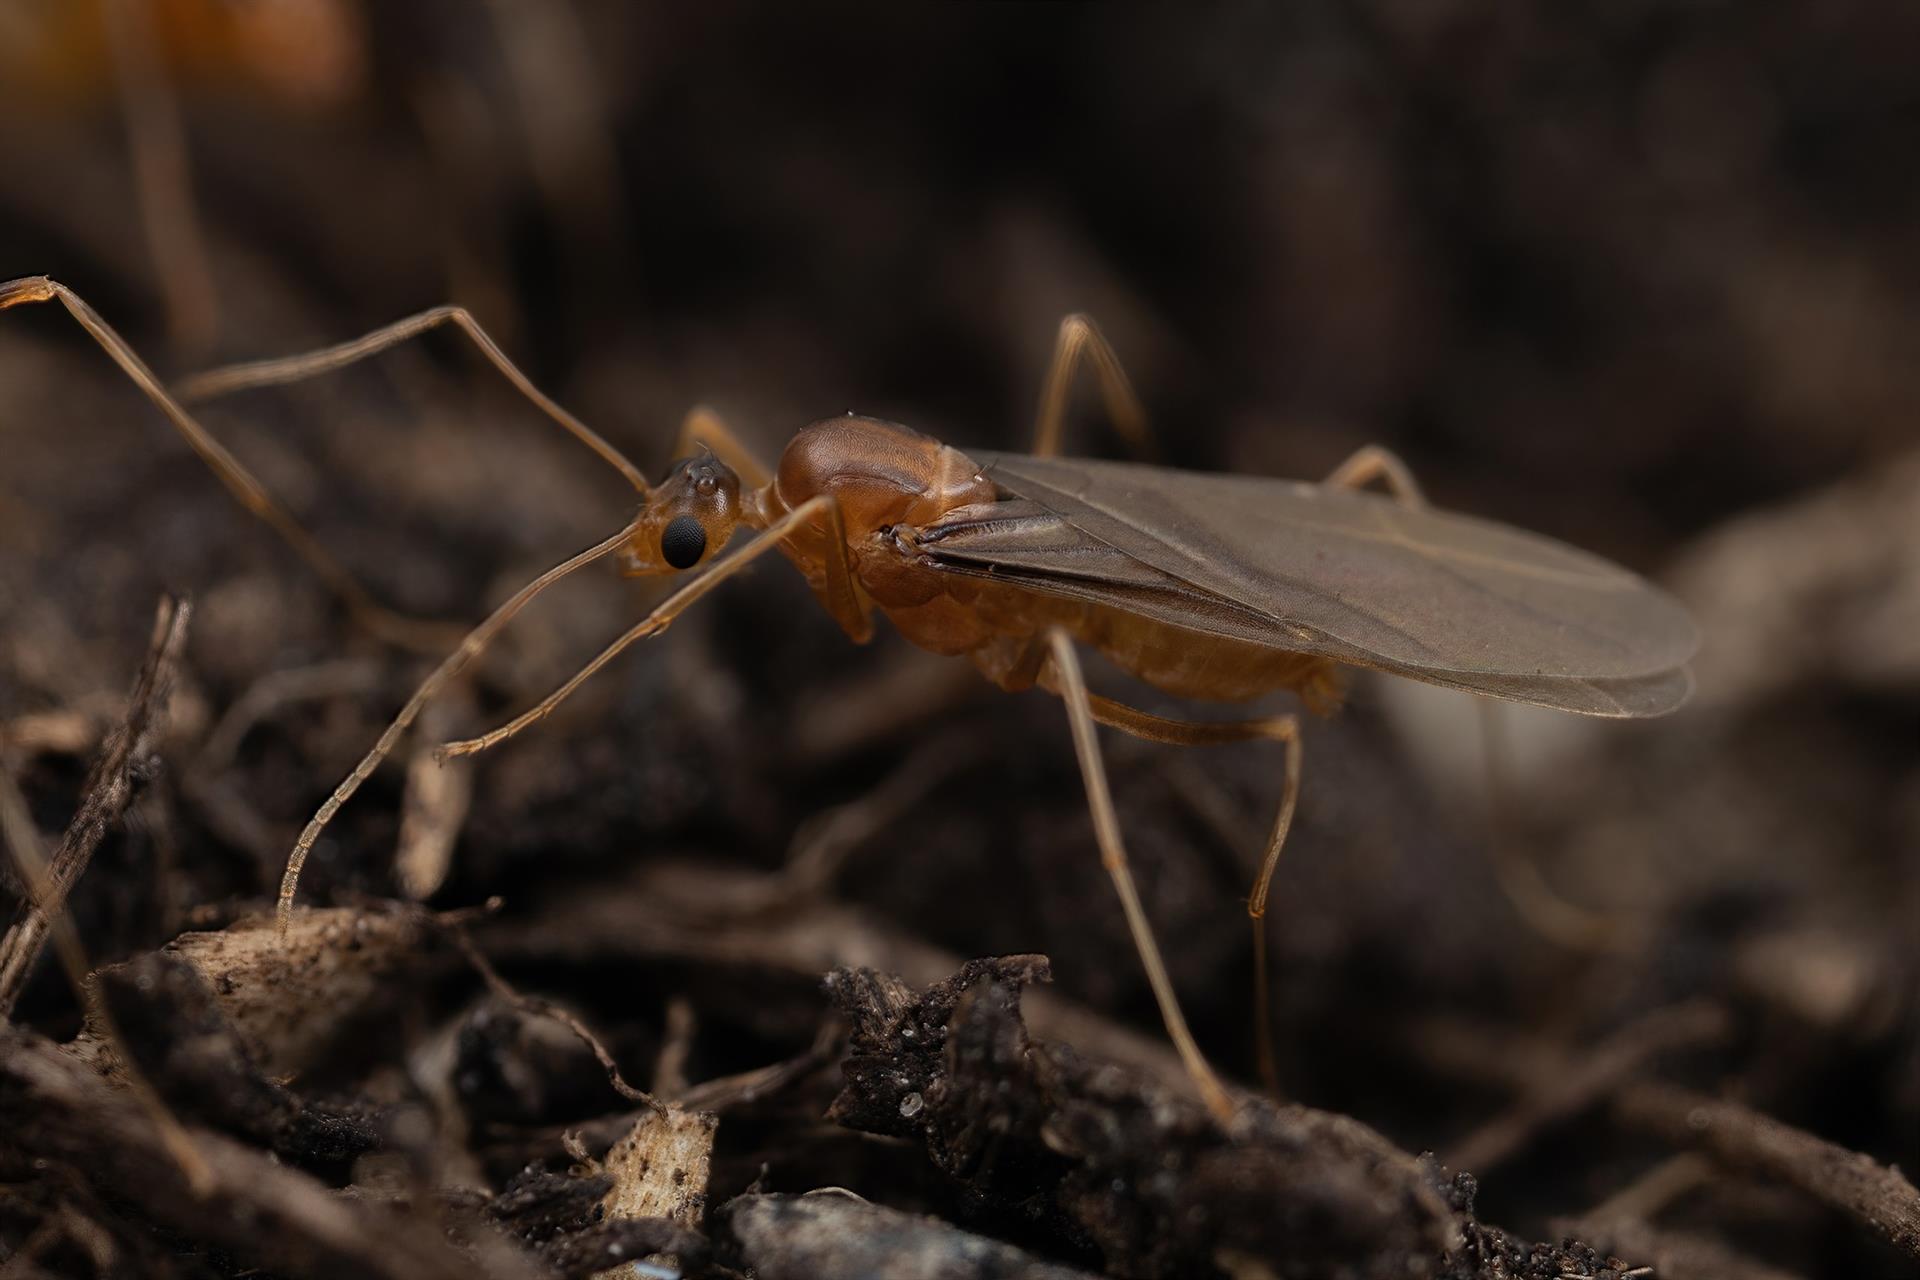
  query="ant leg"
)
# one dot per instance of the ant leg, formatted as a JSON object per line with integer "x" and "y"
{"x": 656, "y": 622}
{"x": 270, "y": 373}
{"x": 1113, "y": 855}
{"x": 1285, "y": 730}
{"x": 704, "y": 428}
{"x": 1199, "y": 733}
{"x": 1376, "y": 462}
{"x": 406, "y": 633}
{"x": 452, "y": 665}
{"x": 1538, "y": 905}
{"x": 1080, "y": 336}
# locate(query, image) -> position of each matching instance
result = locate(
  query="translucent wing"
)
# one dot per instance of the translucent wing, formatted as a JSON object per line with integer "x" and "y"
{"x": 1357, "y": 577}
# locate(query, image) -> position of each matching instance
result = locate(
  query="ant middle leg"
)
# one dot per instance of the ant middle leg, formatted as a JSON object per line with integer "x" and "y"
{"x": 1283, "y": 729}
{"x": 1113, "y": 856}
{"x": 1079, "y": 337}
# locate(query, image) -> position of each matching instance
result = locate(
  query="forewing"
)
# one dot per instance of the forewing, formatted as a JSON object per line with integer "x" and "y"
{"x": 1355, "y": 576}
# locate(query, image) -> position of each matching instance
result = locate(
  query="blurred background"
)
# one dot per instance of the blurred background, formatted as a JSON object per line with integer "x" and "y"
{"x": 1644, "y": 277}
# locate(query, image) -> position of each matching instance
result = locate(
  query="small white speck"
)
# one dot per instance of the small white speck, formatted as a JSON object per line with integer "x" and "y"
{"x": 910, "y": 1105}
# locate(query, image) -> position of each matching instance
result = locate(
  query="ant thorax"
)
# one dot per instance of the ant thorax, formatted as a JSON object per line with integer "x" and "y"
{"x": 881, "y": 473}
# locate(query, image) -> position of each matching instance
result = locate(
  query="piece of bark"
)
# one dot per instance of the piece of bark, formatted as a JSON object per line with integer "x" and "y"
{"x": 290, "y": 998}
{"x": 660, "y": 1170}
{"x": 836, "y": 1234}
{"x": 187, "y": 1050}
{"x": 1096, "y": 1152}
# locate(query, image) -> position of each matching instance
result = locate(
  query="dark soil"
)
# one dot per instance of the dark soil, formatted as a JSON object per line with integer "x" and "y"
{"x": 1639, "y": 277}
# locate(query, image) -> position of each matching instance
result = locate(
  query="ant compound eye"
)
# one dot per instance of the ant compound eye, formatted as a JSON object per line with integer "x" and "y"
{"x": 683, "y": 541}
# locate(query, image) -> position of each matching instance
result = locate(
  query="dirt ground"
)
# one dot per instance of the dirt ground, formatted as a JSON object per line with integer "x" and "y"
{"x": 773, "y": 955}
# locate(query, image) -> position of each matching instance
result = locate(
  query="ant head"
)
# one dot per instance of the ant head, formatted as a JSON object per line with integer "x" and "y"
{"x": 687, "y": 518}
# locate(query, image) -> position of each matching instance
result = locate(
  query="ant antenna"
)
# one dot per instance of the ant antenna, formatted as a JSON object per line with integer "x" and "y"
{"x": 452, "y": 665}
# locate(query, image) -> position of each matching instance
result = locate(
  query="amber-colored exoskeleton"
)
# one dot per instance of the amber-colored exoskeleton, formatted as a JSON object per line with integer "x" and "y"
{"x": 1204, "y": 586}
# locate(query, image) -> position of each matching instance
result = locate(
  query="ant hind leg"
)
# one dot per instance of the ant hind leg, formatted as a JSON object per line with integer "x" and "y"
{"x": 1377, "y": 462}
{"x": 1535, "y": 901}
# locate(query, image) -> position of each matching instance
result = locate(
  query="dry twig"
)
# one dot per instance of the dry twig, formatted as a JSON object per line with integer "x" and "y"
{"x": 539, "y": 1008}
{"x": 1744, "y": 1141}
{"x": 1595, "y": 1076}
{"x": 109, "y": 789}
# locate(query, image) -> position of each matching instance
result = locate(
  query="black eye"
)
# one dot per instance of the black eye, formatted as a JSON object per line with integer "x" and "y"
{"x": 682, "y": 541}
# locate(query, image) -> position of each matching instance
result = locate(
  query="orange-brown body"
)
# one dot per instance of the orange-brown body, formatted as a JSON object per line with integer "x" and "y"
{"x": 885, "y": 476}
{"x": 859, "y": 506}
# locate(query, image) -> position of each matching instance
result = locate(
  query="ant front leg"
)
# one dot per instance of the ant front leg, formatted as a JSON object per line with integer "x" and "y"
{"x": 1079, "y": 336}
{"x": 277, "y": 372}
{"x": 1113, "y": 855}
{"x": 406, "y": 633}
